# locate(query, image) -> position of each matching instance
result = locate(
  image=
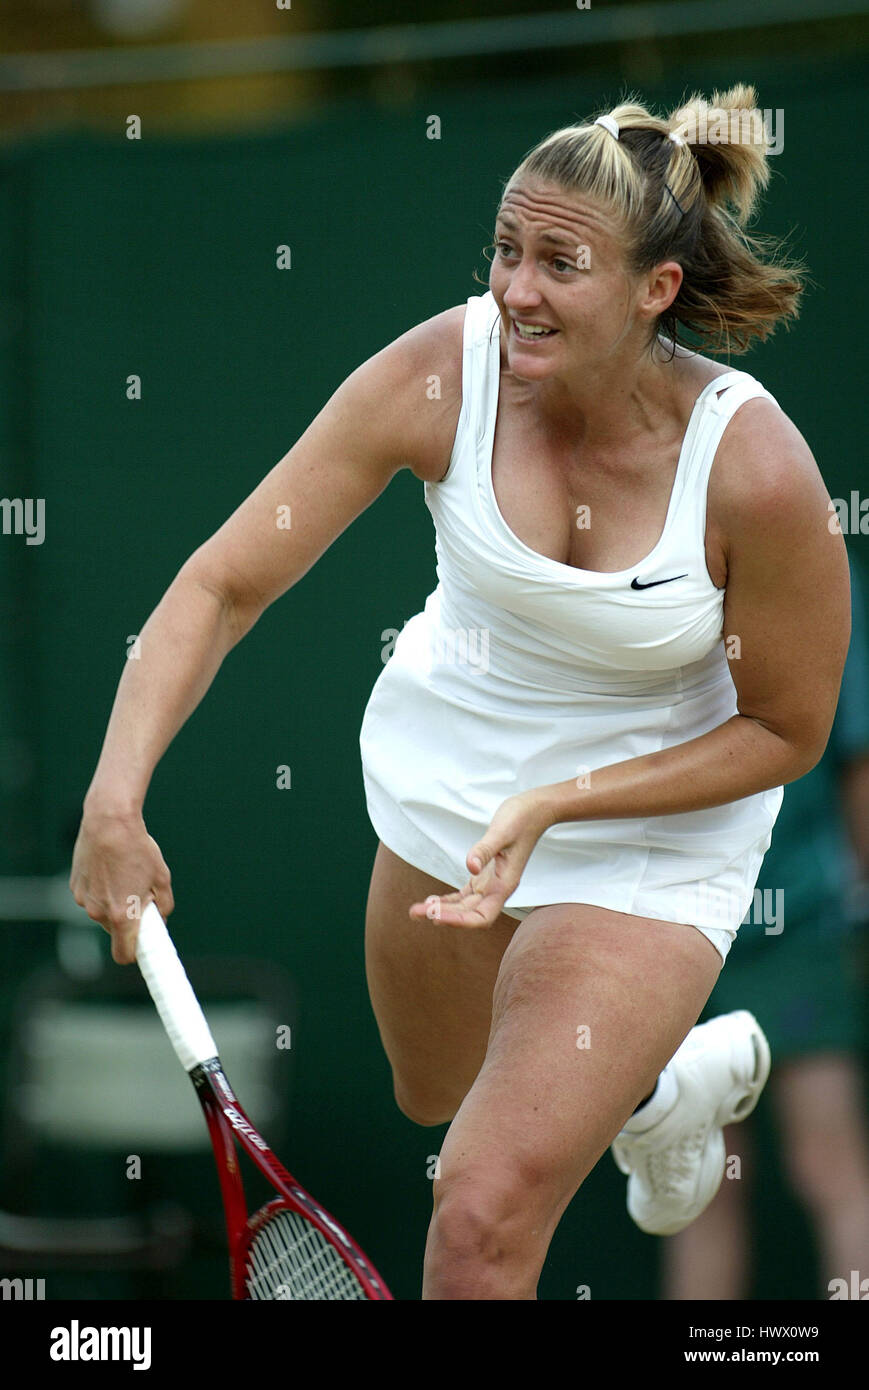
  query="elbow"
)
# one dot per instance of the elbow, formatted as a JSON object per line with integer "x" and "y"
{"x": 237, "y": 617}
{"x": 805, "y": 759}
{"x": 800, "y": 752}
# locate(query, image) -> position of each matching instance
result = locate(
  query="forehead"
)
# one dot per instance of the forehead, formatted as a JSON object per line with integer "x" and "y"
{"x": 552, "y": 213}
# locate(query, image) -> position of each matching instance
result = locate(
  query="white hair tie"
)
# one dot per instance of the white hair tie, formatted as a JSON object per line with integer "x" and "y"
{"x": 609, "y": 123}
{"x": 677, "y": 139}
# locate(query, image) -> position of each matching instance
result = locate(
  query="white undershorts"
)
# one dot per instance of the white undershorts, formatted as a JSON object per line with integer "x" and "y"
{"x": 721, "y": 939}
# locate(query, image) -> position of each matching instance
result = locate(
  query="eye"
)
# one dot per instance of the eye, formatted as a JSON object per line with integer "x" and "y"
{"x": 503, "y": 248}
{"x": 559, "y": 261}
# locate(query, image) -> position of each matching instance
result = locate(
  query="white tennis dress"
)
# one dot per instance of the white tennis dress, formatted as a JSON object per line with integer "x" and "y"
{"x": 522, "y": 671}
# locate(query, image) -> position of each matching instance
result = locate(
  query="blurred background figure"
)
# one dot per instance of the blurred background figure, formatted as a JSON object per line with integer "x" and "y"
{"x": 799, "y": 964}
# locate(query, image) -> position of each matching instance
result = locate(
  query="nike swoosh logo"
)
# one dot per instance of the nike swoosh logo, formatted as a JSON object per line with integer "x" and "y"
{"x": 635, "y": 583}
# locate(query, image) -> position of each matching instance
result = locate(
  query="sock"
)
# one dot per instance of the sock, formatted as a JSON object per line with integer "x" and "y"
{"x": 657, "y": 1105}
{"x": 647, "y": 1099}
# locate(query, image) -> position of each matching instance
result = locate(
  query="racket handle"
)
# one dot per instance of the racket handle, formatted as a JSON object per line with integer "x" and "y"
{"x": 172, "y": 992}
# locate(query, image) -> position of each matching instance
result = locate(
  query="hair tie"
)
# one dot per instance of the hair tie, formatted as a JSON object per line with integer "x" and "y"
{"x": 609, "y": 123}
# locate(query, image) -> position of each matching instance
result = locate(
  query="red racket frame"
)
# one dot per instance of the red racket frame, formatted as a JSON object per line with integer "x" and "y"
{"x": 227, "y": 1125}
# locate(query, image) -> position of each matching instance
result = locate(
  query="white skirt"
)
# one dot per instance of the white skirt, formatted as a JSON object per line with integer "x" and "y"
{"x": 441, "y": 751}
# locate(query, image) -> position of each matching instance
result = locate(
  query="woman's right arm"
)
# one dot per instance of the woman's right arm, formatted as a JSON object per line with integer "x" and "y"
{"x": 378, "y": 421}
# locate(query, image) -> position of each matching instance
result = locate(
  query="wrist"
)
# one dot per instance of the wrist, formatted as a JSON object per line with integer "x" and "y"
{"x": 539, "y": 808}
{"x": 111, "y": 803}
{"x": 560, "y": 802}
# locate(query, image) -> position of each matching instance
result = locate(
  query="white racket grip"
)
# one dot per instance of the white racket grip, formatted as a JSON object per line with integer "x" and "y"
{"x": 172, "y": 992}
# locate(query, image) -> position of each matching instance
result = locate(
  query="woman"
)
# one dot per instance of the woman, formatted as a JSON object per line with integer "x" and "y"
{"x": 570, "y": 830}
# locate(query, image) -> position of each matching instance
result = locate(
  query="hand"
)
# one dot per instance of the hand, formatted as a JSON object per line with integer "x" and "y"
{"x": 496, "y": 864}
{"x": 117, "y": 869}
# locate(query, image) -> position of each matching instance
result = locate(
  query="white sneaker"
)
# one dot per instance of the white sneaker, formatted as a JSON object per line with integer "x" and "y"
{"x": 673, "y": 1148}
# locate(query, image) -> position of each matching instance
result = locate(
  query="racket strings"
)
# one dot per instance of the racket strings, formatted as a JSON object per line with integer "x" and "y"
{"x": 290, "y": 1259}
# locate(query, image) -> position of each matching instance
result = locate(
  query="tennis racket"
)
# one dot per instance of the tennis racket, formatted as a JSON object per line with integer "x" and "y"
{"x": 291, "y": 1248}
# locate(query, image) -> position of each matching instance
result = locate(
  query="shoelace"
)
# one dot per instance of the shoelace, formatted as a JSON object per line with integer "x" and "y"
{"x": 668, "y": 1170}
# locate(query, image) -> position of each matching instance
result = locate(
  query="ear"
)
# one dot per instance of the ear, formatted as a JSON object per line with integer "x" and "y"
{"x": 659, "y": 288}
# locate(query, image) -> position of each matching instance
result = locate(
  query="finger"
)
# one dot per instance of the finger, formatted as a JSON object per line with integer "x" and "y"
{"x": 456, "y": 896}
{"x": 434, "y": 905}
{"x": 437, "y": 908}
{"x": 472, "y": 912}
{"x": 165, "y": 901}
{"x": 125, "y": 923}
{"x": 124, "y": 937}
{"x": 465, "y": 919}
{"x": 479, "y": 856}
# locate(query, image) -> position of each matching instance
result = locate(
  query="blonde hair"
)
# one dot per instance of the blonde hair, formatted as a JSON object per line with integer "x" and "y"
{"x": 688, "y": 200}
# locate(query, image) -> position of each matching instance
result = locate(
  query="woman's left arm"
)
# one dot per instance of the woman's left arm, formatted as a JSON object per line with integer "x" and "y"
{"x": 786, "y": 629}
{"x": 787, "y": 622}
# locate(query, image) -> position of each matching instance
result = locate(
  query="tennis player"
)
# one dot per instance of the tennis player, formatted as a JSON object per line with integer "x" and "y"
{"x": 574, "y": 757}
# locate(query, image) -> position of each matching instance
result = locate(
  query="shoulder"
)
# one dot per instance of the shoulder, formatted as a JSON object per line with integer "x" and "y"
{"x": 768, "y": 508}
{"x": 765, "y": 476}
{"x": 419, "y": 384}
{"x": 440, "y": 335}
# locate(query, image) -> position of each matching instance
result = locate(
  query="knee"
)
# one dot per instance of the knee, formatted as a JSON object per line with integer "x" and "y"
{"x": 483, "y": 1219}
{"x": 423, "y": 1105}
{"x": 488, "y": 1237}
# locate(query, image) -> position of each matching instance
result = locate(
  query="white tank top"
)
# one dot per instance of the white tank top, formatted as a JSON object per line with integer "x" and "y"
{"x": 563, "y": 628}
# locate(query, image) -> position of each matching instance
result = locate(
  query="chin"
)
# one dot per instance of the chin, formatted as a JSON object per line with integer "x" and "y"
{"x": 522, "y": 365}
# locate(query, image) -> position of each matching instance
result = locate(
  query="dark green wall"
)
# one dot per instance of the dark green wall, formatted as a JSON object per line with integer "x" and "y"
{"x": 158, "y": 258}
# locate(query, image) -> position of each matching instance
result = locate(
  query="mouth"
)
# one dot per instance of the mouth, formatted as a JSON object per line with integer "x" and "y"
{"x": 531, "y": 332}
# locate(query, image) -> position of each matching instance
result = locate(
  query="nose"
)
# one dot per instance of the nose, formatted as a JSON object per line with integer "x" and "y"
{"x": 522, "y": 291}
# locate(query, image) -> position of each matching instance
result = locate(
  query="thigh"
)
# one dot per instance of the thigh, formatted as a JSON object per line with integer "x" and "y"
{"x": 589, "y": 1006}
{"x": 431, "y": 989}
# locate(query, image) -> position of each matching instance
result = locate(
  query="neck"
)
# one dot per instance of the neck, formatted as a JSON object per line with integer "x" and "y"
{"x": 610, "y": 404}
